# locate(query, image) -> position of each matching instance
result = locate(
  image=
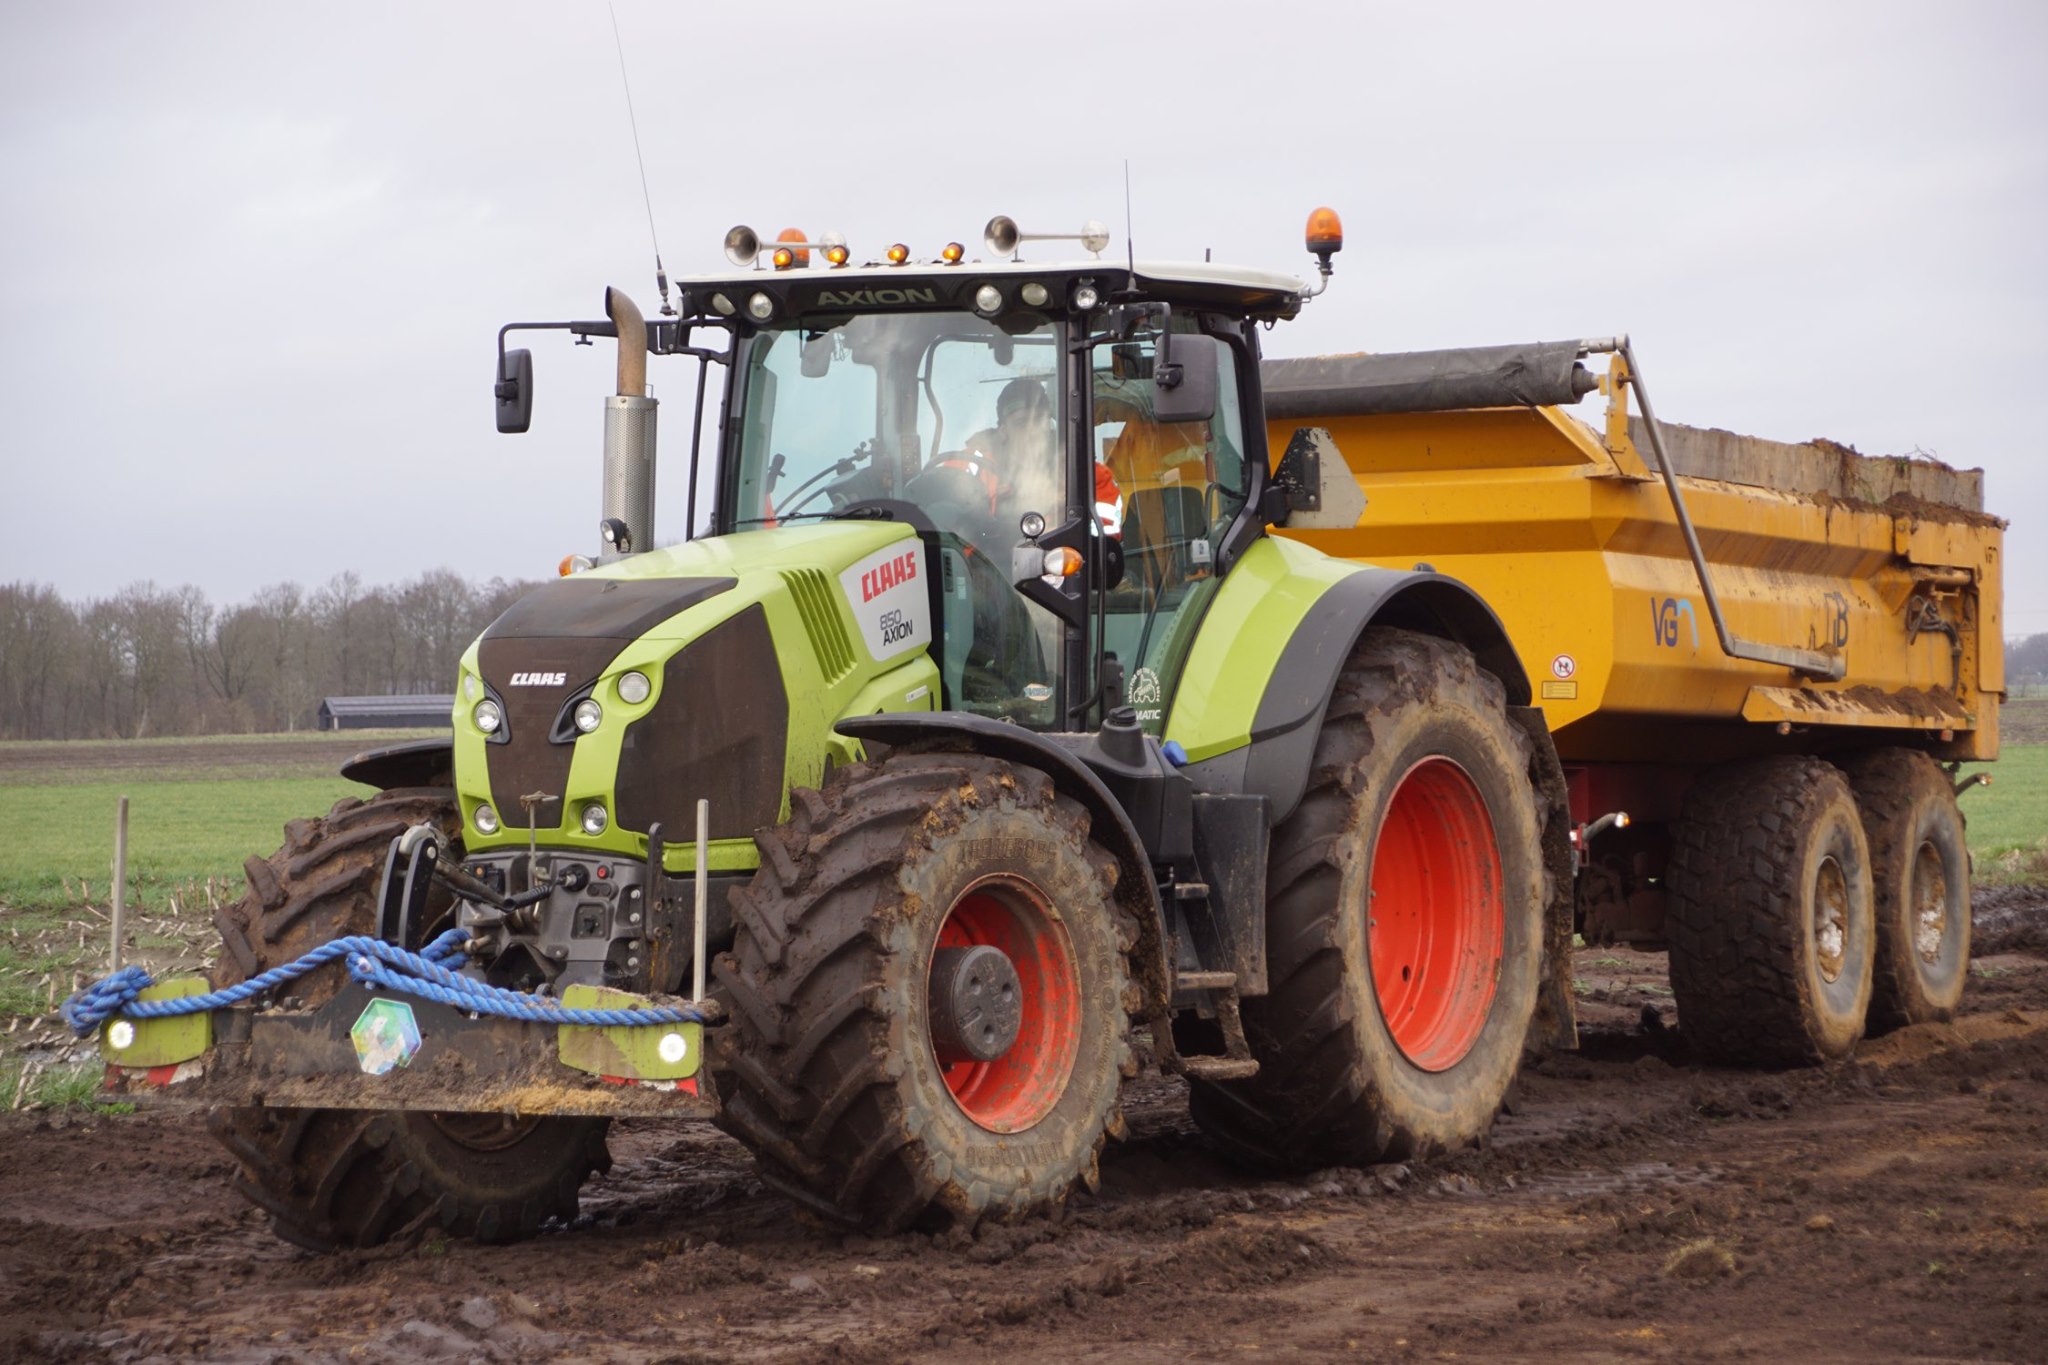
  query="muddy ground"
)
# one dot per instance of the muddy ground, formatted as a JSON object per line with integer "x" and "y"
{"x": 1631, "y": 1206}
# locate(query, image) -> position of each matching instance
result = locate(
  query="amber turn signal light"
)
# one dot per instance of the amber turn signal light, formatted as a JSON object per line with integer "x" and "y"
{"x": 798, "y": 255}
{"x": 898, "y": 254}
{"x": 952, "y": 254}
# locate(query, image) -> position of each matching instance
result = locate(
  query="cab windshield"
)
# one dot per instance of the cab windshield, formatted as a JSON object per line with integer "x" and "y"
{"x": 947, "y": 421}
{"x": 947, "y": 412}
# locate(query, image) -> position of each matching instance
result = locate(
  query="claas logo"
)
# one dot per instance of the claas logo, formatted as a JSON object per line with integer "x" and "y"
{"x": 888, "y": 574}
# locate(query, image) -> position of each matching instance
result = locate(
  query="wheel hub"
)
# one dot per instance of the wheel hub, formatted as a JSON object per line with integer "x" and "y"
{"x": 1930, "y": 903}
{"x": 1830, "y": 919}
{"x": 977, "y": 1004}
{"x": 1031, "y": 1041}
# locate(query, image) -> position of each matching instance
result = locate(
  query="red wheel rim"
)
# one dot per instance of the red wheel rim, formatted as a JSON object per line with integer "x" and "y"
{"x": 1438, "y": 919}
{"x": 1020, "y": 1087}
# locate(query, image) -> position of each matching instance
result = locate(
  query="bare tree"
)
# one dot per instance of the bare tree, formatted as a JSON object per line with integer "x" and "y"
{"x": 150, "y": 661}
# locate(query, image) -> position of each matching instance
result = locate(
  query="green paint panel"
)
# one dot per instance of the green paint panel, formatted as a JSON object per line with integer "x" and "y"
{"x": 162, "y": 1042}
{"x": 647, "y": 1052}
{"x": 1256, "y": 612}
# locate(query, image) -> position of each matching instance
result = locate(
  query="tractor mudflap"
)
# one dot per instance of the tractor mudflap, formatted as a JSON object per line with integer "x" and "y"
{"x": 380, "y": 1050}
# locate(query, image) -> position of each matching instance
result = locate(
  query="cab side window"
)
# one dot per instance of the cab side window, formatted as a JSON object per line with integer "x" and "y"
{"x": 1180, "y": 485}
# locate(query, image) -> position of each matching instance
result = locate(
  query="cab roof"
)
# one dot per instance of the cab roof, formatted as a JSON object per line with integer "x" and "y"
{"x": 877, "y": 285}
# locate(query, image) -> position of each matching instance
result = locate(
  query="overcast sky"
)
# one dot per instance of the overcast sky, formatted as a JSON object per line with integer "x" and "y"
{"x": 256, "y": 255}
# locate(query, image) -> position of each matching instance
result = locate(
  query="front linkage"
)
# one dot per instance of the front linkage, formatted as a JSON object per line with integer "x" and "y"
{"x": 435, "y": 1036}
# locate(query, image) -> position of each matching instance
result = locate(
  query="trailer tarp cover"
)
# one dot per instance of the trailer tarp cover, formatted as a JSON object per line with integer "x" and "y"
{"x": 1539, "y": 373}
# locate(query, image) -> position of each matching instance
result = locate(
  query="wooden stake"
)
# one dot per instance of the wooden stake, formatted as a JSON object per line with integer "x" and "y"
{"x": 120, "y": 874}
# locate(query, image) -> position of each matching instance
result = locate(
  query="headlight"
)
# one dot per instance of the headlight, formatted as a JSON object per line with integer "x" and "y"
{"x": 588, "y": 715}
{"x": 488, "y": 716}
{"x": 988, "y": 299}
{"x": 1034, "y": 294}
{"x": 634, "y": 688}
{"x": 761, "y": 306}
{"x": 486, "y": 820}
{"x": 595, "y": 819}
{"x": 1085, "y": 297}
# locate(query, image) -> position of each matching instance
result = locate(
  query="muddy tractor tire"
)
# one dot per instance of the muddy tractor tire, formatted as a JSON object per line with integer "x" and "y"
{"x": 866, "y": 1065}
{"x": 1920, "y": 887}
{"x": 337, "y": 1178}
{"x": 1404, "y": 924}
{"x": 1770, "y": 924}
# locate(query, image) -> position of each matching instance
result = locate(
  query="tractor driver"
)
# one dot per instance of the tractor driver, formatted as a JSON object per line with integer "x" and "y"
{"x": 1016, "y": 462}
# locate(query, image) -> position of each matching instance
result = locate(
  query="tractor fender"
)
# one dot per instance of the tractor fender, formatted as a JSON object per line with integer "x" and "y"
{"x": 1136, "y": 888}
{"x": 415, "y": 763}
{"x": 1275, "y": 764}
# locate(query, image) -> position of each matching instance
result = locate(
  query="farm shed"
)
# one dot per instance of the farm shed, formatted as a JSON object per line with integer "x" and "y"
{"x": 387, "y": 713}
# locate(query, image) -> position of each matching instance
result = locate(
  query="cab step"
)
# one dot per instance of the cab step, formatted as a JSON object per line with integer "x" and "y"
{"x": 1218, "y": 1068}
{"x": 1237, "y": 1062}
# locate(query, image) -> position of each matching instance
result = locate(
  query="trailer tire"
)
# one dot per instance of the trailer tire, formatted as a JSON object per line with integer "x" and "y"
{"x": 1405, "y": 912}
{"x": 338, "y": 1178}
{"x": 1920, "y": 886}
{"x": 1770, "y": 924}
{"x": 829, "y": 1070}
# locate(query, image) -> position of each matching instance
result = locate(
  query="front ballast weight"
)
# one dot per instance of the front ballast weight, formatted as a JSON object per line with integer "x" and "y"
{"x": 436, "y": 1032}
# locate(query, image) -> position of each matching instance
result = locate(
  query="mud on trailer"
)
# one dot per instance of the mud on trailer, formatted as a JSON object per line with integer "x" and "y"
{"x": 1024, "y": 716}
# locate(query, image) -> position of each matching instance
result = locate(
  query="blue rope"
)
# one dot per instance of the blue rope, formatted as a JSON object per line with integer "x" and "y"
{"x": 373, "y": 962}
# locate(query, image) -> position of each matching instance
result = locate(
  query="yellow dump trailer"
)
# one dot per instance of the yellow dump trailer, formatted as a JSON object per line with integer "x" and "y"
{"x": 1717, "y": 627}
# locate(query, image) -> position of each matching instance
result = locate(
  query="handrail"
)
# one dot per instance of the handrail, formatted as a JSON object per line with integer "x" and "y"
{"x": 1811, "y": 662}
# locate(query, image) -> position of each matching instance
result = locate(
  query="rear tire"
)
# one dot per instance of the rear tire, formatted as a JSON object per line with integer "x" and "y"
{"x": 1920, "y": 880}
{"x": 1404, "y": 924}
{"x": 333, "y": 1178}
{"x": 1770, "y": 922}
{"x": 829, "y": 1069}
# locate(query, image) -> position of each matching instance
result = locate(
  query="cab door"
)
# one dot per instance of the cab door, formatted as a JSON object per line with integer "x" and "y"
{"x": 1178, "y": 489}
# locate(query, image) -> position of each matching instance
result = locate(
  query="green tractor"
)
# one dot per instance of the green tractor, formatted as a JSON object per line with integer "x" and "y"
{"x": 988, "y": 749}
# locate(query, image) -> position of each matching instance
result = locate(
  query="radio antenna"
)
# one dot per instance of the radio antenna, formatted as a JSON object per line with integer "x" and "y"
{"x": 660, "y": 275}
{"x": 1130, "y": 243}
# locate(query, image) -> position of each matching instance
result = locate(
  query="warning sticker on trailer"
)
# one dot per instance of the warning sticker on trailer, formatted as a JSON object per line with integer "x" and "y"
{"x": 887, "y": 593}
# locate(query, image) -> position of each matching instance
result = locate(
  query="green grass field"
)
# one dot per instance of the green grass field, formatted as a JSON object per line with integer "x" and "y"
{"x": 60, "y": 845}
{"x": 196, "y": 809}
{"x": 2013, "y": 811}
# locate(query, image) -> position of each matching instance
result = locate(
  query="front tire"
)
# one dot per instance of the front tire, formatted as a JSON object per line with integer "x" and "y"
{"x": 335, "y": 1178}
{"x": 830, "y": 1070}
{"x": 1404, "y": 924}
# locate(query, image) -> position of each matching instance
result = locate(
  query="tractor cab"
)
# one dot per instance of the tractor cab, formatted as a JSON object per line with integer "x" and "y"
{"x": 1077, "y": 444}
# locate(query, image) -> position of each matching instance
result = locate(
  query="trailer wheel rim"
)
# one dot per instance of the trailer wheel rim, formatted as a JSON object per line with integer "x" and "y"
{"x": 1438, "y": 920}
{"x": 1830, "y": 919}
{"x": 1930, "y": 903}
{"x": 1021, "y": 1087}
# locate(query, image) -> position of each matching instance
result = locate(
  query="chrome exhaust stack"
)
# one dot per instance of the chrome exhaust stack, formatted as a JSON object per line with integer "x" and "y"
{"x": 629, "y": 440}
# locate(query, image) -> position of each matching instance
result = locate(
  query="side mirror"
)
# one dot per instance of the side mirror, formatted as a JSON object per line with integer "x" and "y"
{"x": 1185, "y": 377}
{"x": 515, "y": 391}
{"x": 817, "y": 357}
